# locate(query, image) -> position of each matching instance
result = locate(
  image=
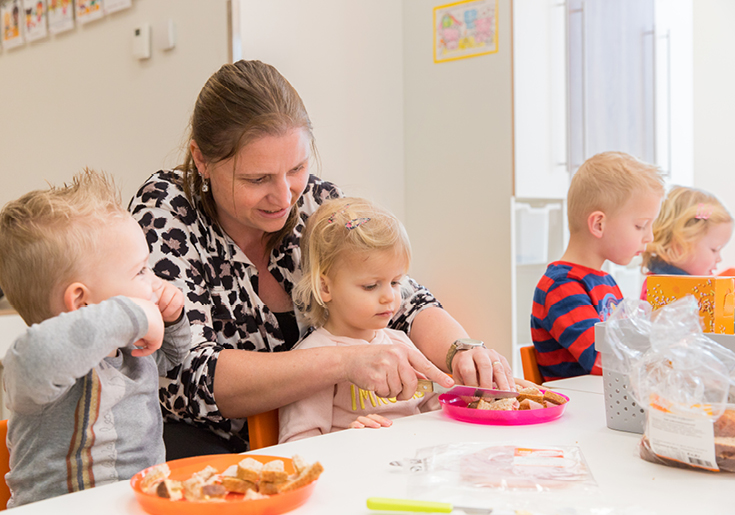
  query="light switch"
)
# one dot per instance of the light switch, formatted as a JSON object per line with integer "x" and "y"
{"x": 165, "y": 36}
{"x": 142, "y": 41}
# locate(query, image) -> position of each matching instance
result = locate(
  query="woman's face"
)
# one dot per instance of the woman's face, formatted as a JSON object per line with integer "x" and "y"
{"x": 270, "y": 174}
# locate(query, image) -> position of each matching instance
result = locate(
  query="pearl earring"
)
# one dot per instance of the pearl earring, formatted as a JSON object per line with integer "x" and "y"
{"x": 205, "y": 186}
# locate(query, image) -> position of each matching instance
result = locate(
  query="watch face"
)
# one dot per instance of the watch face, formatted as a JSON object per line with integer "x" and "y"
{"x": 468, "y": 343}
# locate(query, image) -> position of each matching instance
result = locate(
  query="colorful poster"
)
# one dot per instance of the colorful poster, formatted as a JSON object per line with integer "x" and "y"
{"x": 60, "y": 16}
{"x": 35, "y": 19}
{"x": 465, "y": 29}
{"x": 89, "y": 10}
{"x": 112, "y": 6}
{"x": 10, "y": 12}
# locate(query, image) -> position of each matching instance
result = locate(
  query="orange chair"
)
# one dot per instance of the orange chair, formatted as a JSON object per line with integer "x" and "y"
{"x": 263, "y": 429}
{"x": 4, "y": 464}
{"x": 530, "y": 365}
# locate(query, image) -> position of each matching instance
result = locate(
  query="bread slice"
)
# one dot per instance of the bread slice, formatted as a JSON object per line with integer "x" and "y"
{"x": 507, "y": 404}
{"x": 214, "y": 492}
{"x": 309, "y": 474}
{"x": 270, "y": 487}
{"x": 235, "y": 484}
{"x": 299, "y": 464}
{"x": 725, "y": 425}
{"x": 170, "y": 489}
{"x": 249, "y": 470}
{"x": 273, "y": 472}
{"x": 153, "y": 476}
{"x": 531, "y": 393}
{"x": 553, "y": 397}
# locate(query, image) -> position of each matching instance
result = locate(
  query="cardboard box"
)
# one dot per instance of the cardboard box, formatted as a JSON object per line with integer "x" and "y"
{"x": 715, "y": 296}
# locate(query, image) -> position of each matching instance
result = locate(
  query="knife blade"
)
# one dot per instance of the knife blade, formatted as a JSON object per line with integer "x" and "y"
{"x": 386, "y": 504}
{"x": 427, "y": 386}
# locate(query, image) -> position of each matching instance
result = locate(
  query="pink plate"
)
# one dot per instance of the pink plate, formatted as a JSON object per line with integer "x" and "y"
{"x": 456, "y": 408}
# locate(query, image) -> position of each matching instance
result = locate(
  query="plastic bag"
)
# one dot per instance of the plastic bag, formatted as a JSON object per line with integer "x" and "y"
{"x": 510, "y": 478}
{"x": 681, "y": 378}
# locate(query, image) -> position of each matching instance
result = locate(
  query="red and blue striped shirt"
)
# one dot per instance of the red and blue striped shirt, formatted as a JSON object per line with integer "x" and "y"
{"x": 569, "y": 300}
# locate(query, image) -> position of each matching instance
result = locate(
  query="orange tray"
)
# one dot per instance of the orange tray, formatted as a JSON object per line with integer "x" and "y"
{"x": 233, "y": 504}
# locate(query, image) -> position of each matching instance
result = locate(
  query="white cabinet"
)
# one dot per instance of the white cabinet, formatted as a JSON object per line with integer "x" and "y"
{"x": 540, "y": 99}
{"x": 539, "y": 236}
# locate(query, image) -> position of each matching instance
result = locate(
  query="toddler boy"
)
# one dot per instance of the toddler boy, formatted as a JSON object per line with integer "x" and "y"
{"x": 612, "y": 202}
{"x": 82, "y": 382}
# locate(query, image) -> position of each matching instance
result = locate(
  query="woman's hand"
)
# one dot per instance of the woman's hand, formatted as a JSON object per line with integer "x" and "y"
{"x": 390, "y": 370}
{"x": 482, "y": 367}
{"x": 373, "y": 421}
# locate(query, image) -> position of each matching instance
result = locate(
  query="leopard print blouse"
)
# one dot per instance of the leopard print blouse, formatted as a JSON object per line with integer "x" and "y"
{"x": 220, "y": 285}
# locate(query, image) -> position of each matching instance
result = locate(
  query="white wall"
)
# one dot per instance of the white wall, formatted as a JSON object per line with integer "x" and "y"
{"x": 345, "y": 60}
{"x": 80, "y": 98}
{"x": 714, "y": 104}
{"x": 459, "y": 170}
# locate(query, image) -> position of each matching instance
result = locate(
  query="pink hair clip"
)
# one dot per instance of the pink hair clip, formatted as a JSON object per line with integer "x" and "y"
{"x": 704, "y": 211}
{"x": 331, "y": 218}
{"x": 355, "y": 223}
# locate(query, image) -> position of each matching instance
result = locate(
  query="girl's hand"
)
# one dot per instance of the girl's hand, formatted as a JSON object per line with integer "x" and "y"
{"x": 151, "y": 341}
{"x": 170, "y": 300}
{"x": 372, "y": 420}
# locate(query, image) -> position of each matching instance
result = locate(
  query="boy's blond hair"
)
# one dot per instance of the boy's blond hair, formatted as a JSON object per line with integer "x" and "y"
{"x": 47, "y": 236}
{"x": 605, "y": 182}
{"x": 342, "y": 227}
{"x": 685, "y": 216}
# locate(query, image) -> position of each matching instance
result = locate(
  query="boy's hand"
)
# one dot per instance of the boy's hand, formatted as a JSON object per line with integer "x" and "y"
{"x": 151, "y": 341}
{"x": 170, "y": 300}
{"x": 372, "y": 420}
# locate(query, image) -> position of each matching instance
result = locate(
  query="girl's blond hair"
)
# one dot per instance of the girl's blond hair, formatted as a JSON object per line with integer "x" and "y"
{"x": 46, "y": 237}
{"x": 685, "y": 216}
{"x": 342, "y": 227}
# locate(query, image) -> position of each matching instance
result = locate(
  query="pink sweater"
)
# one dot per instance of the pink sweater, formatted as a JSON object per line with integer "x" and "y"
{"x": 336, "y": 407}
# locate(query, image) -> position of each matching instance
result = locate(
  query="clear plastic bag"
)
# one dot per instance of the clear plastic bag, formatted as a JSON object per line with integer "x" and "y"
{"x": 681, "y": 378}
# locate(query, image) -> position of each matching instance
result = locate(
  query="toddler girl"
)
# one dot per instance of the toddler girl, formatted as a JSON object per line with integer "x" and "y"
{"x": 688, "y": 235}
{"x": 355, "y": 257}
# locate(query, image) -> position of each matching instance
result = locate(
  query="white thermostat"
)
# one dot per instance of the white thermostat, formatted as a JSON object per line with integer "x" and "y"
{"x": 142, "y": 41}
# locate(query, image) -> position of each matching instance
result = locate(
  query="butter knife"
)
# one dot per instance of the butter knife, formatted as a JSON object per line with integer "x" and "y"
{"x": 427, "y": 386}
{"x": 385, "y": 504}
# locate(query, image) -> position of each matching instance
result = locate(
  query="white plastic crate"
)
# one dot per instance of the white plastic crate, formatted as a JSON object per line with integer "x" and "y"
{"x": 622, "y": 411}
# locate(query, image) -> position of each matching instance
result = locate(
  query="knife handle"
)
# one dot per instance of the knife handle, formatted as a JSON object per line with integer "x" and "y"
{"x": 426, "y": 386}
{"x": 385, "y": 504}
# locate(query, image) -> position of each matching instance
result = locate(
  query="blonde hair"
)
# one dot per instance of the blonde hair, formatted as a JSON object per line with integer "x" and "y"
{"x": 686, "y": 214}
{"x": 240, "y": 103}
{"x": 339, "y": 228}
{"x": 605, "y": 182}
{"x": 46, "y": 237}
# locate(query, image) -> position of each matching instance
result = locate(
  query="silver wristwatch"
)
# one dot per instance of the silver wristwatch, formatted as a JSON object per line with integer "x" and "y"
{"x": 461, "y": 344}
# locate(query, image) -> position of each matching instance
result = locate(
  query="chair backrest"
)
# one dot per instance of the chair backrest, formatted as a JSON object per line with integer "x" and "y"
{"x": 530, "y": 365}
{"x": 263, "y": 429}
{"x": 4, "y": 464}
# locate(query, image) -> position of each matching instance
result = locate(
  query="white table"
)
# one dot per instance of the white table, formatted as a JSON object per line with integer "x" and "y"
{"x": 588, "y": 383}
{"x": 357, "y": 466}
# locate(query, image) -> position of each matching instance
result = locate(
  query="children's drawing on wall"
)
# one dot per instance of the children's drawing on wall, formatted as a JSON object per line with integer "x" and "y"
{"x": 10, "y": 12}
{"x": 112, "y": 6}
{"x": 60, "y": 16}
{"x": 89, "y": 10}
{"x": 35, "y": 19}
{"x": 465, "y": 29}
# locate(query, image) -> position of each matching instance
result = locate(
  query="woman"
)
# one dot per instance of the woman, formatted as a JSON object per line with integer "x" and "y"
{"x": 225, "y": 227}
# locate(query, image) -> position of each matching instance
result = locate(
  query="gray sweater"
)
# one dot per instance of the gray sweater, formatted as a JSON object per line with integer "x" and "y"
{"x": 79, "y": 418}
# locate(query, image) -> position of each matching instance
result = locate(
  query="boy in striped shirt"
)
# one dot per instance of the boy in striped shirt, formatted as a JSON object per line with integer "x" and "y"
{"x": 612, "y": 202}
